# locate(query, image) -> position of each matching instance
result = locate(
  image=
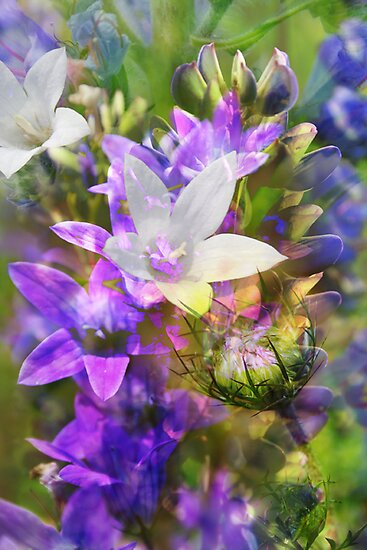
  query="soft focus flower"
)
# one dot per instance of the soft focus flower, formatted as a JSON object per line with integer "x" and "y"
{"x": 22, "y": 41}
{"x": 92, "y": 27}
{"x": 217, "y": 519}
{"x": 29, "y": 122}
{"x": 350, "y": 373}
{"x": 176, "y": 250}
{"x": 343, "y": 56}
{"x": 343, "y": 121}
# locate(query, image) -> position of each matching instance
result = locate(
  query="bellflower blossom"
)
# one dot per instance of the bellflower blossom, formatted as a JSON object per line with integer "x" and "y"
{"x": 176, "y": 250}
{"x": 29, "y": 122}
{"x": 97, "y": 328}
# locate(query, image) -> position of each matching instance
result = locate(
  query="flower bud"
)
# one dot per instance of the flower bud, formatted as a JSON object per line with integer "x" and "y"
{"x": 188, "y": 87}
{"x": 277, "y": 89}
{"x": 209, "y": 67}
{"x": 243, "y": 80}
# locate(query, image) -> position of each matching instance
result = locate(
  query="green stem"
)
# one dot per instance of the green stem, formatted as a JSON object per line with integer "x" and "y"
{"x": 247, "y": 39}
{"x": 212, "y": 18}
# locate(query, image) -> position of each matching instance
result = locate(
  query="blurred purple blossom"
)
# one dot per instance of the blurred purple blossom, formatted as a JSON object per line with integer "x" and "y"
{"x": 22, "y": 40}
{"x": 217, "y": 520}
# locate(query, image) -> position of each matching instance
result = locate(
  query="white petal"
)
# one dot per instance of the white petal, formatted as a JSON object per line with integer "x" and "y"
{"x": 68, "y": 127}
{"x": 11, "y": 134}
{"x": 225, "y": 257}
{"x": 45, "y": 80}
{"x": 204, "y": 202}
{"x": 128, "y": 255}
{"x": 147, "y": 197}
{"x": 12, "y": 95}
{"x": 193, "y": 297}
{"x": 12, "y": 160}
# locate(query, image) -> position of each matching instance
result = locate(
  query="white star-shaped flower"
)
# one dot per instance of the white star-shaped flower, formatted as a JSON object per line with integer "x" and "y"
{"x": 175, "y": 247}
{"x": 29, "y": 123}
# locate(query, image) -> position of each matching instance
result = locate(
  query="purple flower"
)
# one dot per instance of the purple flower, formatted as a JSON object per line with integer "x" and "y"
{"x": 192, "y": 144}
{"x": 347, "y": 214}
{"x": 22, "y": 41}
{"x": 343, "y": 121}
{"x": 121, "y": 448}
{"x": 85, "y": 523}
{"x": 199, "y": 143}
{"x": 97, "y": 328}
{"x": 350, "y": 373}
{"x": 220, "y": 521}
{"x": 344, "y": 55}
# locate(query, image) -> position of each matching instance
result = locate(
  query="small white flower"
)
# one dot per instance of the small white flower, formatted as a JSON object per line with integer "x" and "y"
{"x": 176, "y": 249}
{"x": 29, "y": 123}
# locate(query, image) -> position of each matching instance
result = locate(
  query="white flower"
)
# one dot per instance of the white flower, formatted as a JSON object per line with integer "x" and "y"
{"x": 29, "y": 123}
{"x": 175, "y": 249}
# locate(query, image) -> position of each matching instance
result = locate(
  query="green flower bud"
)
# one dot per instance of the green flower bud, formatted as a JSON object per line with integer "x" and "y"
{"x": 209, "y": 67}
{"x": 189, "y": 87}
{"x": 243, "y": 80}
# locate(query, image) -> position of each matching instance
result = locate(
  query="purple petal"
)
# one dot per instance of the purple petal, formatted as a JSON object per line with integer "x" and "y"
{"x": 52, "y": 450}
{"x": 83, "y": 477}
{"x": 106, "y": 373}
{"x": 87, "y": 522}
{"x": 259, "y": 137}
{"x": 27, "y": 532}
{"x": 109, "y": 306}
{"x": 115, "y": 147}
{"x": 320, "y": 306}
{"x": 247, "y": 163}
{"x": 313, "y": 399}
{"x": 312, "y": 423}
{"x": 57, "y": 357}
{"x": 312, "y": 255}
{"x": 88, "y": 236}
{"x": 315, "y": 167}
{"x": 58, "y": 297}
{"x": 184, "y": 122}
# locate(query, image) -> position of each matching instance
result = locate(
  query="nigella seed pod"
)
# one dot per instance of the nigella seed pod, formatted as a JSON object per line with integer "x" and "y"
{"x": 243, "y": 80}
{"x": 188, "y": 87}
{"x": 261, "y": 368}
{"x": 277, "y": 89}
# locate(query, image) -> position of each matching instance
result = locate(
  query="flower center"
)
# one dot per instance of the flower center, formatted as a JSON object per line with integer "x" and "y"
{"x": 34, "y": 133}
{"x": 165, "y": 260}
